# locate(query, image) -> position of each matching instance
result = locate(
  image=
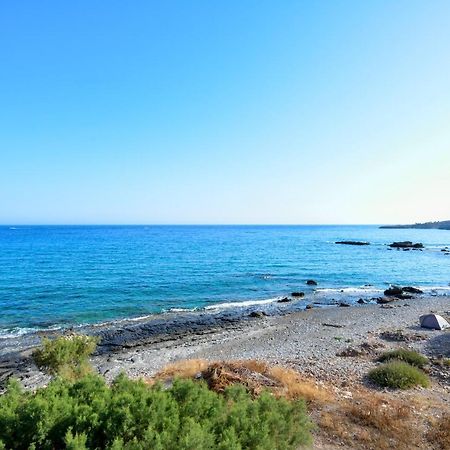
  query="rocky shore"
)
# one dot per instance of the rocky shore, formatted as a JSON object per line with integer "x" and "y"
{"x": 316, "y": 341}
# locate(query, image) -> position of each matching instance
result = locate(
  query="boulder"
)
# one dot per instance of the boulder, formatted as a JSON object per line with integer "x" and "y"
{"x": 361, "y": 301}
{"x": 311, "y": 283}
{"x": 411, "y": 290}
{"x": 284, "y": 300}
{"x": 298, "y": 294}
{"x": 309, "y": 306}
{"x": 434, "y": 322}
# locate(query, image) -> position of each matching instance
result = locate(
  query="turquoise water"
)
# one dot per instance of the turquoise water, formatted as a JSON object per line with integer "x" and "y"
{"x": 59, "y": 276}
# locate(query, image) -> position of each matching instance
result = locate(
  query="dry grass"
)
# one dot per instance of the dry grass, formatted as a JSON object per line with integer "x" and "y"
{"x": 188, "y": 368}
{"x": 371, "y": 421}
{"x": 439, "y": 432}
{"x": 255, "y": 375}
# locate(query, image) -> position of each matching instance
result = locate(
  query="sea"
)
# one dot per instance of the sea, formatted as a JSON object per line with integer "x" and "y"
{"x": 53, "y": 277}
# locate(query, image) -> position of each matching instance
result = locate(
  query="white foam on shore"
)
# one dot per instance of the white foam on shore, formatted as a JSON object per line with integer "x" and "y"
{"x": 241, "y": 304}
{"x": 350, "y": 290}
{"x": 17, "y": 332}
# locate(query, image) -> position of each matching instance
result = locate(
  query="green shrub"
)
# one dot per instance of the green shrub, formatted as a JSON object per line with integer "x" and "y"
{"x": 89, "y": 414}
{"x": 66, "y": 355}
{"x": 399, "y": 375}
{"x": 408, "y": 356}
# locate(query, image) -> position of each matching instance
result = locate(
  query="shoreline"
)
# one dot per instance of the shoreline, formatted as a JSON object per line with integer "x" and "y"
{"x": 306, "y": 340}
{"x": 139, "y": 330}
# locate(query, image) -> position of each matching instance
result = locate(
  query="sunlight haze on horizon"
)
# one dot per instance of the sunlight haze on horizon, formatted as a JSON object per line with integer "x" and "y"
{"x": 230, "y": 112}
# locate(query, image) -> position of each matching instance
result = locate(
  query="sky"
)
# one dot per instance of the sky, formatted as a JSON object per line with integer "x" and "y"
{"x": 224, "y": 112}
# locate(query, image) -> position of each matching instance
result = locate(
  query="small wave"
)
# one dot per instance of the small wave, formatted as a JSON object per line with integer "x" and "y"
{"x": 241, "y": 304}
{"x": 178, "y": 310}
{"x": 18, "y": 332}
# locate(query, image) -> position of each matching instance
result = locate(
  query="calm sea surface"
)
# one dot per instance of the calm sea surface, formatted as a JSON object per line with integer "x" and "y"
{"x": 65, "y": 275}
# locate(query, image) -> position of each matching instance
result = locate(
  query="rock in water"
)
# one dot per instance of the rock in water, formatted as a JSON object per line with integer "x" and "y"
{"x": 352, "y": 243}
{"x": 311, "y": 283}
{"x": 406, "y": 244}
{"x": 298, "y": 294}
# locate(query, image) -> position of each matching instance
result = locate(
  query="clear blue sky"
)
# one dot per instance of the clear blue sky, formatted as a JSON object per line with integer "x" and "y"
{"x": 224, "y": 111}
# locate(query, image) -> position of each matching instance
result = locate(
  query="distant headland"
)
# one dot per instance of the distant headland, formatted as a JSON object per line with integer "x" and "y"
{"x": 442, "y": 225}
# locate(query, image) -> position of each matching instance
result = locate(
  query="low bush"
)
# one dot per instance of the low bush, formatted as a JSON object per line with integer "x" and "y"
{"x": 66, "y": 355}
{"x": 130, "y": 414}
{"x": 398, "y": 375}
{"x": 408, "y": 356}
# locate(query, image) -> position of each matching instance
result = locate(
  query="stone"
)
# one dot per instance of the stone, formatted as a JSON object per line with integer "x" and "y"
{"x": 298, "y": 294}
{"x": 257, "y": 314}
{"x": 311, "y": 283}
{"x": 384, "y": 300}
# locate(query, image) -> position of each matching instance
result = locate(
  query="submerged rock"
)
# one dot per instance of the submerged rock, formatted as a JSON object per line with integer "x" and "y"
{"x": 298, "y": 294}
{"x": 311, "y": 283}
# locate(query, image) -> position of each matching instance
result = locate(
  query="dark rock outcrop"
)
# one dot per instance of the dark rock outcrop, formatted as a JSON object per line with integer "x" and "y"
{"x": 298, "y": 294}
{"x": 393, "y": 291}
{"x": 352, "y": 243}
{"x": 311, "y": 283}
{"x": 284, "y": 300}
{"x": 406, "y": 244}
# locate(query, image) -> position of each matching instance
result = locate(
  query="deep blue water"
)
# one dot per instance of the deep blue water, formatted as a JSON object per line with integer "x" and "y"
{"x": 53, "y": 276}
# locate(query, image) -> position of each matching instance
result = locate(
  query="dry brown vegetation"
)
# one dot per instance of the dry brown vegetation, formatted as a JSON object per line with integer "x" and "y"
{"x": 371, "y": 421}
{"x": 439, "y": 432}
{"x": 255, "y": 375}
{"x": 366, "y": 420}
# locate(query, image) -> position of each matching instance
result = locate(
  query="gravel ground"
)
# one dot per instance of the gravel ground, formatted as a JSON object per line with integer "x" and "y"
{"x": 308, "y": 341}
